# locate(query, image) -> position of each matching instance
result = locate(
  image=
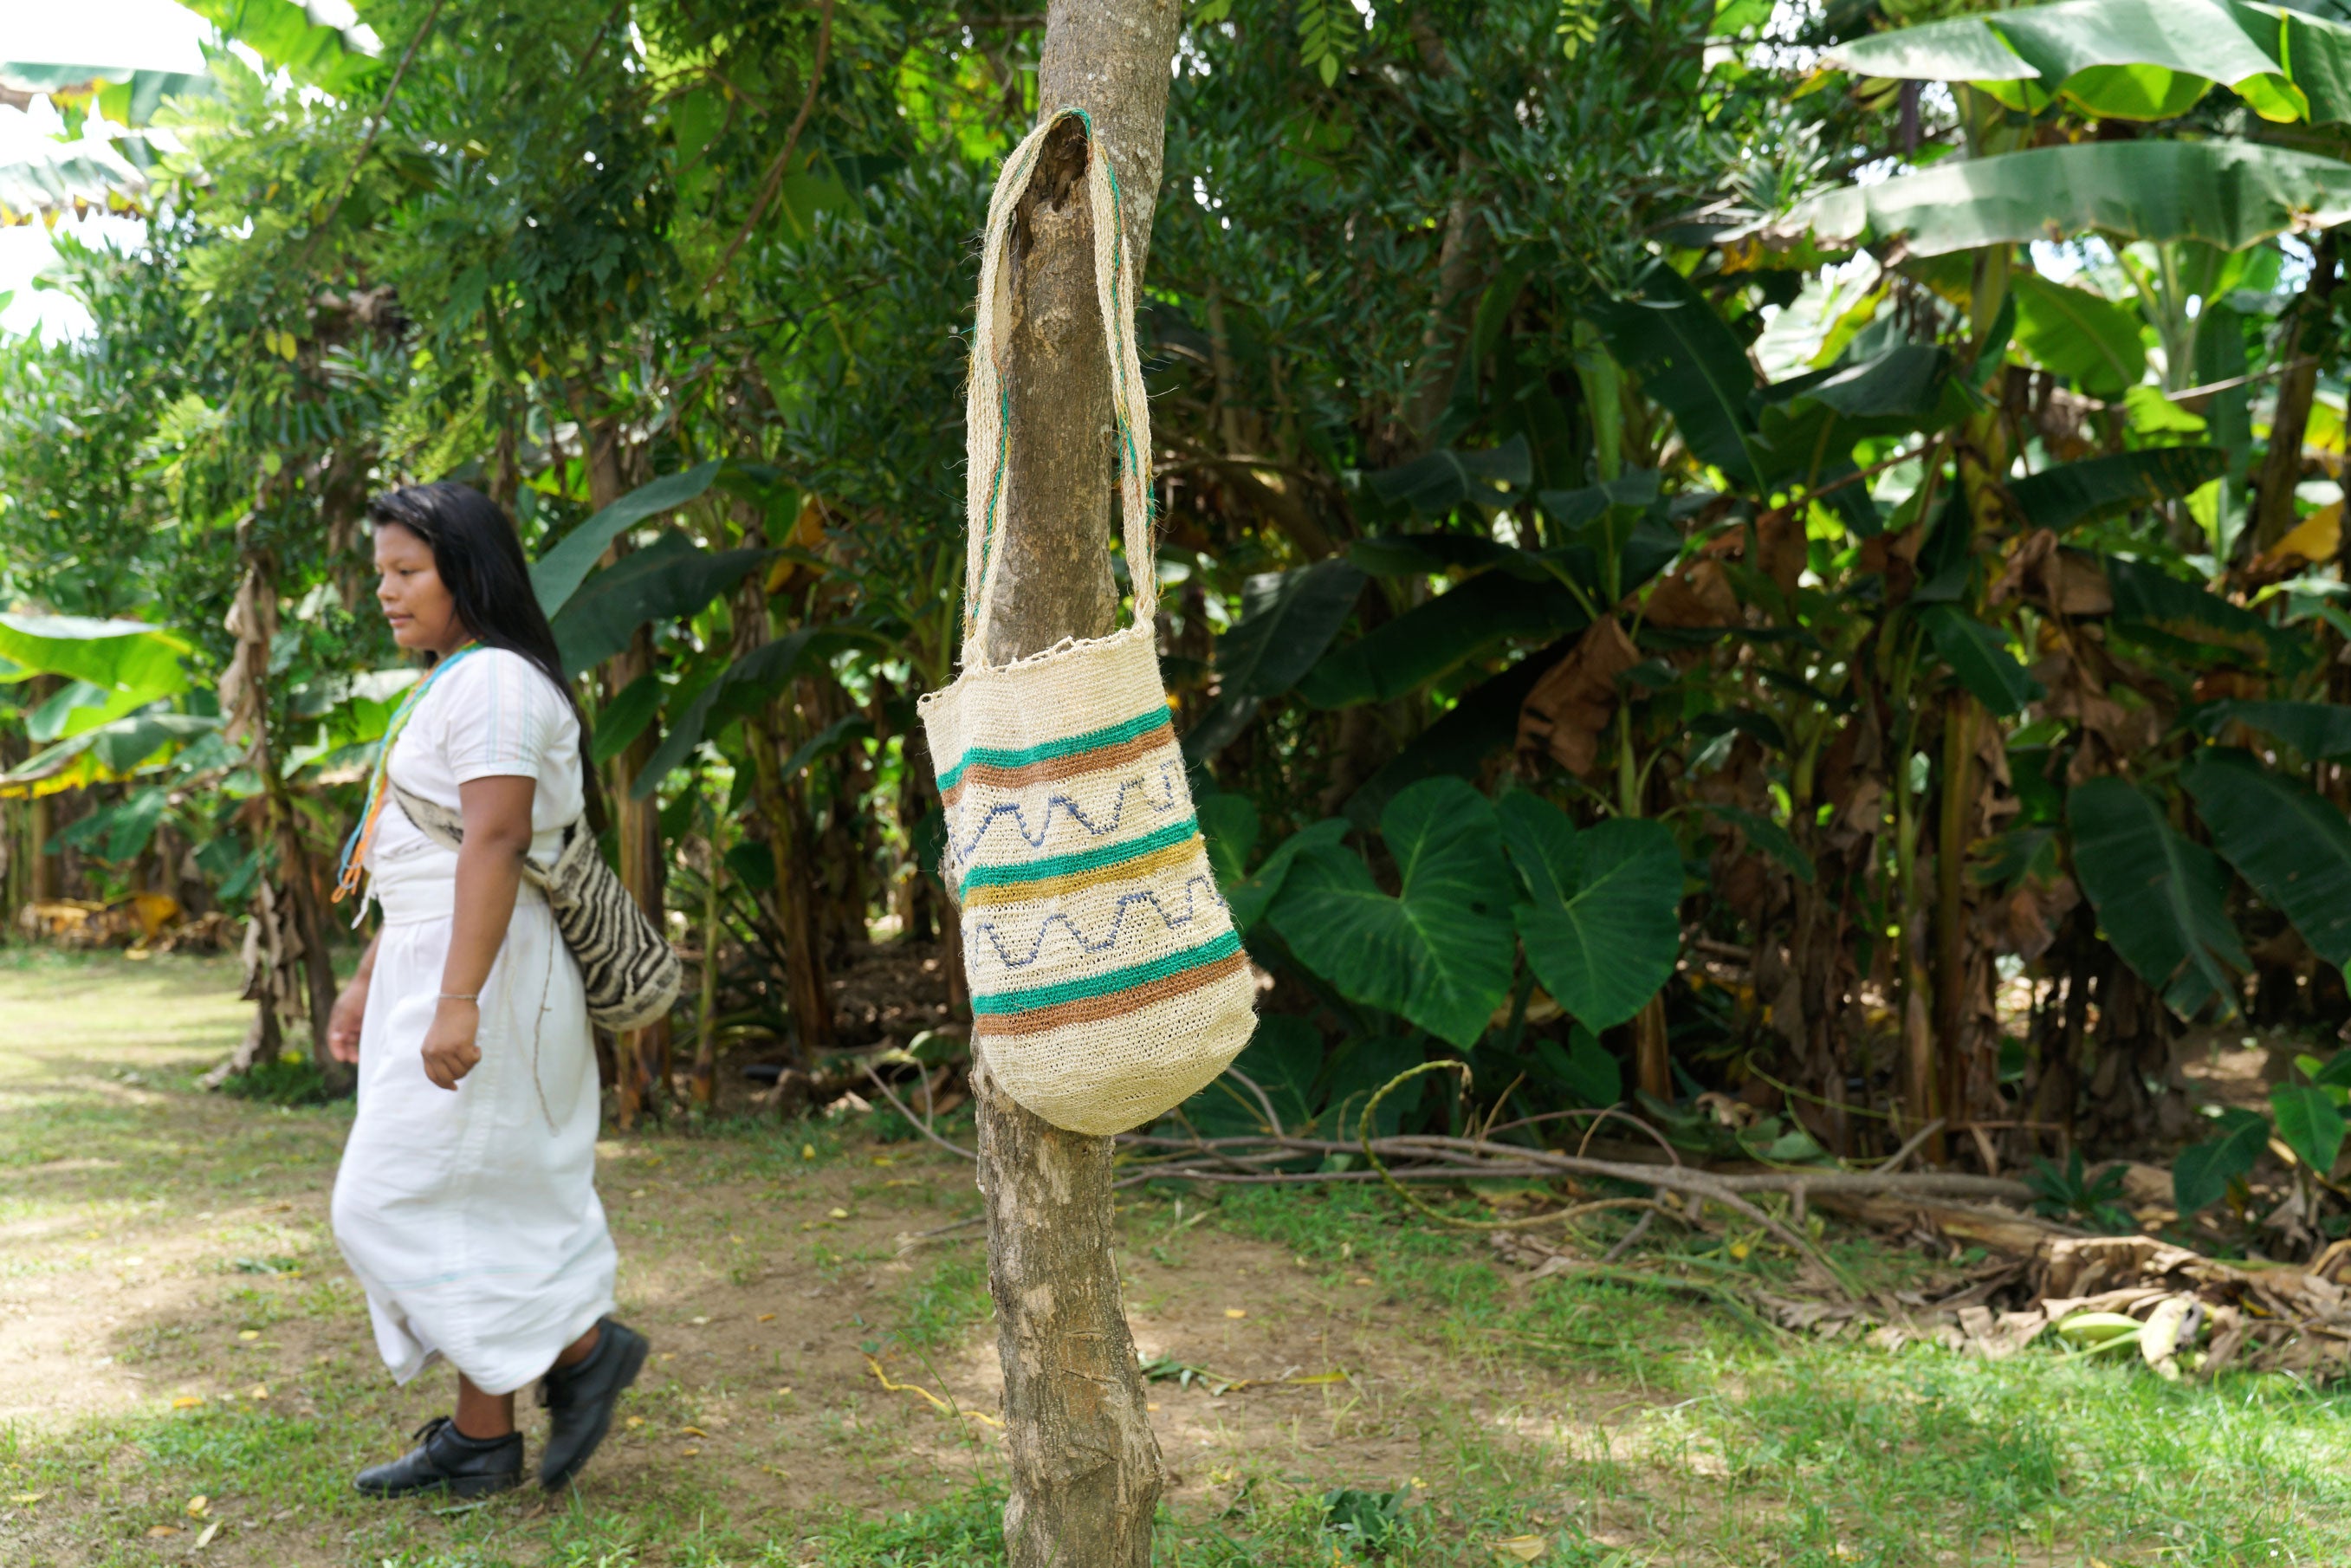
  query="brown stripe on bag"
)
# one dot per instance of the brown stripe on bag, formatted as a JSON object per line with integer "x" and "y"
{"x": 1054, "y": 768}
{"x": 1092, "y": 1009}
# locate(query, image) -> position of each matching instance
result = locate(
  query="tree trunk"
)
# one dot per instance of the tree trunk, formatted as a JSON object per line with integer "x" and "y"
{"x": 41, "y": 867}
{"x": 1085, "y": 1466}
{"x": 639, "y": 1056}
{"x": 292, "y": 907}
{"x": 299, "y": 877}
{"x": 808, "y": 988}
{"x": 2306, "y": 330}
{"x": 791, "y": 843}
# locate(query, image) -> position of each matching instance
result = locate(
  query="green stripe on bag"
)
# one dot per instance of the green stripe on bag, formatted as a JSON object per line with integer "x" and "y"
{"x": 1117, "y": 980}
{"x": 1109, "y": 734}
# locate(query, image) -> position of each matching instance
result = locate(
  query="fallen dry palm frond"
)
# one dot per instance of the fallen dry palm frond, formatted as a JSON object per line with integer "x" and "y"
{"x": 2091, "y": 1295}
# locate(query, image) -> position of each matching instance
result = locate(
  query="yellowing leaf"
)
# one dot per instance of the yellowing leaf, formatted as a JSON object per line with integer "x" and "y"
{"x": 808, "y": 1151}
{"x": 197, "y": 1505}
{"x": 1519, "y": 1548}
{"x": 258, "y": 1390}
{"x": 688, "y": 1453}
{"x": 1235, "y": 1312}
{"x": 2318, "y": 536}
{"x": 27, "y": 1499}
{"x": 154, "y": 1531}
{"x": 206, "y": 1538}
{"x": 248, "y": 1333}
{"x": 697, "y": 1322}
{"x": 692, "y": 1432}
{"x": 187, "y": 1401}
{"x": 839, "y": 1213}
{"x": 766, "y": 1317}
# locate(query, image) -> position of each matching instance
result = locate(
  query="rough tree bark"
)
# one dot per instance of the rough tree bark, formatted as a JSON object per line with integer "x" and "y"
{"x": 1085, "y": 1466}
{"x": 641, "y": 1056}
{"x": 294, "y": 939}
{"x": 2301, "y": 341}
{"x": 791, "y": 902}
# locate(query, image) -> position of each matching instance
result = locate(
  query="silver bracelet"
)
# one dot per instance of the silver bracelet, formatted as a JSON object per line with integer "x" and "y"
{"x": 475, "y": 997}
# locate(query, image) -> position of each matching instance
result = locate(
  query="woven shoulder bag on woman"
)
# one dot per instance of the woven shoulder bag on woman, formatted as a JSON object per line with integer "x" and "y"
{"x": 628, "y": 968}
{"x": 1107, "y": 983}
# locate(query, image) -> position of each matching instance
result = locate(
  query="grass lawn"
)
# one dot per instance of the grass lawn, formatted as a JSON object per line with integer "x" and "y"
{"x": 186, "y": 1373}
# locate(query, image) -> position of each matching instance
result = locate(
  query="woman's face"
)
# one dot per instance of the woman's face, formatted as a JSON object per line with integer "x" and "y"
{"x": 417, "y": 604}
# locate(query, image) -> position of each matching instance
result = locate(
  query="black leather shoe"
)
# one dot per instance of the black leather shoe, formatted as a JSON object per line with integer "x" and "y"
{"x": 446, "y": 1460}
{"x": 579, "y": 1400}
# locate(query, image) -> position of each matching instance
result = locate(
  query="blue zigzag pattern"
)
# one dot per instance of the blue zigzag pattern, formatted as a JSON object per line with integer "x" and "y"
{"x": 1170, "y": 800}
{"x": 990, "y": 931}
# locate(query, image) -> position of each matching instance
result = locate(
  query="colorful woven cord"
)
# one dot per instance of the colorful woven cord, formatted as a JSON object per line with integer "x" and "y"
{"x": 355, "y": 848}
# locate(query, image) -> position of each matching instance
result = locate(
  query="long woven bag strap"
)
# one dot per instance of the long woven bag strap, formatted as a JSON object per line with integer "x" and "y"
{"x": 447, "y": 829}
{"x": 988, "y": 415}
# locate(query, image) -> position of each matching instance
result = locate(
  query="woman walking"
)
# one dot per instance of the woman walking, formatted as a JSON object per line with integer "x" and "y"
{"x": 466, "y": 1202}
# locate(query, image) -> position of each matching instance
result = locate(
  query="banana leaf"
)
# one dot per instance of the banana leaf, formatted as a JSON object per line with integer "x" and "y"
{"x": 2290, "y": 843}
{"x": 1666, "y": 334}
{"x": 2085, "y": 337}
{"x": 2230, "y": 194}
{"x": 670, "y": 579}
{"x": 2317, "y": 731}
{"x": 2111, "y": 59}
{"x": 745, "y": 684}
{"x": 2160, "y": 897}
{"x": 557, "y": 575}
{"x": 2095, "y": 487}
{"x": 1431, "y": 638}
{"x": 1288, "y": 620}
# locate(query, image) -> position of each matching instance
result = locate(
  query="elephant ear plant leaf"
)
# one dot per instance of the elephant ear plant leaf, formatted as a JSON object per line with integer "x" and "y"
{"x": 1600, "y": 914}
{"x": 1439, "y": 950}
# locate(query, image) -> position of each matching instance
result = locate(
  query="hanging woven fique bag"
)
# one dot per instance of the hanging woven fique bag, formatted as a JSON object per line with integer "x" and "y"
{"x": 628, "y": 970}
{"x": 1107, "y": 983}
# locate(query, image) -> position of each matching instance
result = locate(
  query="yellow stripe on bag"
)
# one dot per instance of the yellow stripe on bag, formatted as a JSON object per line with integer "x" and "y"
{"x": 986, "y": 896}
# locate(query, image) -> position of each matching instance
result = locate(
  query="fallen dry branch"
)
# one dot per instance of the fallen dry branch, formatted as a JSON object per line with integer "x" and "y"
{"x": 1974, "y": 1225}
{"x": 1276, "y": 1158}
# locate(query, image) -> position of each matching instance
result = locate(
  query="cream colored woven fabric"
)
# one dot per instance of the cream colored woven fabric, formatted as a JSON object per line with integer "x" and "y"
{"x": 1107, "y": 983}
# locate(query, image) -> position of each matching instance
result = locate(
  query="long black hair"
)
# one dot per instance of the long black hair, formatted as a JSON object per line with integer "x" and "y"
{"x": 480, "y": 561}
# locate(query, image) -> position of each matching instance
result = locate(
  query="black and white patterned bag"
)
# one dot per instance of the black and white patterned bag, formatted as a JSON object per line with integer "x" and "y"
{"x": 629, "y": 971}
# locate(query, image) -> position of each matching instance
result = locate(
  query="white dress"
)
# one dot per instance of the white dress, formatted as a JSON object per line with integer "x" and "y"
{"x": 471, "y": 1219}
